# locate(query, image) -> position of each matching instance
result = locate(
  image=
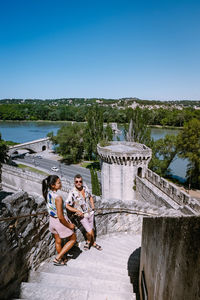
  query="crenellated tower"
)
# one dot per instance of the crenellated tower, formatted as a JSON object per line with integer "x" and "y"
{"x": 120, "y": 163}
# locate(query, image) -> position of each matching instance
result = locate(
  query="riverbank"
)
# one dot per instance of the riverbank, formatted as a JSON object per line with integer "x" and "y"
{"x": 65, "y": 121}
{"x": 165, "y": 127}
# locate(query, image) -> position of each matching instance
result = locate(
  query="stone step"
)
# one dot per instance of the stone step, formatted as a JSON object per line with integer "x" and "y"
{"x": 113, "y": 247}
{"x": 36, "y": 291}
{"x": 75, "y": 271}
{"x": 102, "y": 258}
{"x": 123, "y": 242}
{"x": 107, "y": 253}
{"x": 123, "y": 245}
{"x": 92, "y": 284}
{"x": 100, "y": 266}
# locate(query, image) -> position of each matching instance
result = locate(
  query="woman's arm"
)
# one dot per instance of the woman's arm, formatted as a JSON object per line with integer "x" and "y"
{"x": 59, "y": 208}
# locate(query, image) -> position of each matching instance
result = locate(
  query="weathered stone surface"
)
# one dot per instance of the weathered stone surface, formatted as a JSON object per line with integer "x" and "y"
{"x": 23, "y": 242}
{"x": 120, "y": 163}
{"x": 170, "y": 258}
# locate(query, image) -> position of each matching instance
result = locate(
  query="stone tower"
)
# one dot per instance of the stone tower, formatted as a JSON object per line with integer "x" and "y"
{"x": 120, "y": 163}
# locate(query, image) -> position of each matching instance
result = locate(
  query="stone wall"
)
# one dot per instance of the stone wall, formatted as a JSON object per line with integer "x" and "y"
{"x": 149, "y": 192}
{"x": 170, "y": 189}
{"x": 16, "y": 179}
{"x": 170, "y": 258}
{"x": 24, "y": 243}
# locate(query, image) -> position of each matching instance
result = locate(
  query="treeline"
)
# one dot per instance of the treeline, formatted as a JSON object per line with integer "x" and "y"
{"x": 79, "y": 141}
{"x": 34, "y": 112}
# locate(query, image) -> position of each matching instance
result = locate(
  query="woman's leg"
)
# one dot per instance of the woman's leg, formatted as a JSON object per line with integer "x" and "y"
{"x": 67, "y": 246}
{"x": 58, "y": 243}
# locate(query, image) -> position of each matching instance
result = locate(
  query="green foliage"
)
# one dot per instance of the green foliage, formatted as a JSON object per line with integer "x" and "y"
{"x": 113, "y": 110}
{"x": 10, "y": 143}
{"x": 163, "y": 152}
{"x": 138, "y": 130}
{"x": 188, "y": 145}
{"x": 93, "y": 164}
{"x": 70, "y": 142}
{"x": 95, "y": 182}
{"x": 95, "y": 132}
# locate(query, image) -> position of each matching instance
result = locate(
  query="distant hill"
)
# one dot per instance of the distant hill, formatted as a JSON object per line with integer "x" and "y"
{"x": 127, "y": 101}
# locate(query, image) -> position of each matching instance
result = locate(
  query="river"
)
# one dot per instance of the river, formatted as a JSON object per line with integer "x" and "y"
{"x": 21, "y": 132}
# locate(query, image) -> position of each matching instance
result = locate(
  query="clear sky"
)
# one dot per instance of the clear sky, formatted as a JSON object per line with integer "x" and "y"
{"x": 146, "y": 49}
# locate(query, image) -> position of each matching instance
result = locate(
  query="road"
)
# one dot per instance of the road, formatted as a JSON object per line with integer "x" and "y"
{"x": 68, "y": 171}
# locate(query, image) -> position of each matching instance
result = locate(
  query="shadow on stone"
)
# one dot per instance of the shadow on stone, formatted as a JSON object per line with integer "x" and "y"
{"x": 4, "y": 194}
{"x": 74, "y": 252}
{"x": 133, "y": 270}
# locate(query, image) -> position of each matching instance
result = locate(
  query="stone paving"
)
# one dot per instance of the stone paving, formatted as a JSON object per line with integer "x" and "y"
{"x": 89, "y": 275}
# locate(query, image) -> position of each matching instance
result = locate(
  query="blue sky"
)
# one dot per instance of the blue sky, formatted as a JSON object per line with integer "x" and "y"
{"x": 111, "y": 49}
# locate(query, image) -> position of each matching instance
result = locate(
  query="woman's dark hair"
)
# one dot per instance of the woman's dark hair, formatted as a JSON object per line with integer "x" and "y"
{"x": 47, "y": 184}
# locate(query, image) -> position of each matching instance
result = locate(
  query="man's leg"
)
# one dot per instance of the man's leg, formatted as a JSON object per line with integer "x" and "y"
{"x": 90, "y": 237}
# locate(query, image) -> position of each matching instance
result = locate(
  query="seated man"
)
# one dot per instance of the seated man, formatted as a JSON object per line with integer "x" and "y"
{"x": 80, "y": 202}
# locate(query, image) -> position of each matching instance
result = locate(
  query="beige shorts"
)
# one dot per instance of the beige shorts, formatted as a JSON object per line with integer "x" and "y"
{"x": 56, "y": 227}
{"x": 88, "y": 222}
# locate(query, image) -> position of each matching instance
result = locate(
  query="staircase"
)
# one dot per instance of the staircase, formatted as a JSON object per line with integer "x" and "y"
{"x": 88, "y": 275}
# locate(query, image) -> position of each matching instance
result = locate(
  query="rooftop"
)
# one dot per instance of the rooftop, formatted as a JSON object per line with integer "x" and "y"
{"x": 123, "y": 148}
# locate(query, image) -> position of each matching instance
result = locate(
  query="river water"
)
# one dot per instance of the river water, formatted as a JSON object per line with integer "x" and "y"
{"x": 21, "y": 132}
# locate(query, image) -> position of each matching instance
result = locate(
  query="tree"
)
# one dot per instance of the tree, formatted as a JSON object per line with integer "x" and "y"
{"x": 95, "y": 132}
{"x": 138, "y": 131}
{"x": 70, "y": 142}
{"x": 163, "y": 152}
{"x": 188, "y": 145}
{"x": 95, "y": 182}
{"x": 3, "y": 155}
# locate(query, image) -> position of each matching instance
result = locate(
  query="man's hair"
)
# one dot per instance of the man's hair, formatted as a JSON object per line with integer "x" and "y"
{"x": 78, "y": 176}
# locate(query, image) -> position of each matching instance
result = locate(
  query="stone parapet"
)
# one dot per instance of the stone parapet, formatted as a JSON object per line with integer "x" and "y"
{"x": 170, "y": 189}
{"x": 125, "y": 153}
{"x": 19, "y": 179}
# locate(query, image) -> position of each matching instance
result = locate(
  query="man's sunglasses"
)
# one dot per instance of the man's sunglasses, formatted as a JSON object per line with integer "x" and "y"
{"x": 77, "y": 181}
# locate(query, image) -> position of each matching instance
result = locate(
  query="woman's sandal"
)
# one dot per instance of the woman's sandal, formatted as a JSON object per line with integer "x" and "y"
{"x": 86, "y": 246}
{"x": 58, "y": 262}
{"x": 98, "y": 247}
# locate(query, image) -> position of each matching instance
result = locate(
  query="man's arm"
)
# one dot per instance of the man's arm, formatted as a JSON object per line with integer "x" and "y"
{"x": 92, "y": 202}
{"x": 72, "y": 209}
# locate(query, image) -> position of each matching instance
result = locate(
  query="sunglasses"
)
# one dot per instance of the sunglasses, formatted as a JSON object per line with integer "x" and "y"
{"x": 78, "y": 181}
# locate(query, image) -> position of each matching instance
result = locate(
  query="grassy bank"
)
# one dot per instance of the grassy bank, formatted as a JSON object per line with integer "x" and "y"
{"x": 24, "y": 167}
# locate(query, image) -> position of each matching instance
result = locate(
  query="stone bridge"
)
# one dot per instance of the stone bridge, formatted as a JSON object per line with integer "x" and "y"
{"x": 33, "y": 146}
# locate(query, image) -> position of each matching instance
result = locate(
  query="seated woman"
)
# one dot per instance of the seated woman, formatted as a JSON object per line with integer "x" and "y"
{"x": 59, "y": 224}
{"x": 81, "y": 203}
